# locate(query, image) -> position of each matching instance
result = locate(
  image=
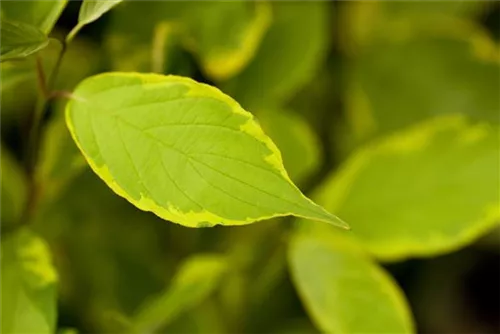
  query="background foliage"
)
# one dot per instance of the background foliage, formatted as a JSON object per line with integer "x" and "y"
{"x": 386, "y": 113}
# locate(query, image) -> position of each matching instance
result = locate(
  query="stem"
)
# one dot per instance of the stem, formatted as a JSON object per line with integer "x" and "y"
{"x": 44, "y": 95}
{"x": 57, "y": 66}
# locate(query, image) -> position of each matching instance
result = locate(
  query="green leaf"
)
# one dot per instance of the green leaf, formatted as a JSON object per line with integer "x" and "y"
{"x": 225, "y": 35}
{"x": 20, "y": 40}
{"x": 289, "y": 56}
{"x": 183, "y": 150}
{"x": 297, "y": 142}
{"x": 424, "y": 191}
{"x": 195, "y": 280}
{"x": 14, "y": 189}
{"x": 28, "y": 285}
{"x": 42, "y": 14}
{"x": 439, "y": 76}
{"x": 90, "y": 11}
{"x": 343, "y": 290}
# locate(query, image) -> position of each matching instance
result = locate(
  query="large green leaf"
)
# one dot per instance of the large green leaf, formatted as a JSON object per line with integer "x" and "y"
{"x": 28, "y": 285}
{"x": 20, "y": 40}
{"x": 289, "y": 56}
{"x": 42, "y": 14}
{"x": 424, "y": 191}
{"x": 183, "y": 150}
{"x": 195, "y": 280}
{"x": 14, "y": 189}
{"x": 342, "y": 289}
{"x": 91, "y": 11}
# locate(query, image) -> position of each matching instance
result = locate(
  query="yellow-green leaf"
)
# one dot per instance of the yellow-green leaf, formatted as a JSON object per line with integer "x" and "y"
{"x": 342, "y": 289}
{"x": 195, "y": 280}
{"x": 183, "y": 150}
{"x": 91, "y": 11}
{"x": 426, "y": 190}
{"x": 28, "y": 285}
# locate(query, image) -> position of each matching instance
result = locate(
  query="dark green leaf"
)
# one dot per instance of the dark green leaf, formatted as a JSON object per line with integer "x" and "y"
{"x": 19, "y": 40}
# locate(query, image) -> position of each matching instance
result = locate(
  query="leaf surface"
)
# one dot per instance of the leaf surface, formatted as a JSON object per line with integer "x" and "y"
{"x": 291, "y": 52}
{"x": 90, "y": 11}
{"x": 183, "y": 150}
{"x": 342, "y": 289}
{"x": 28, "y": 285}
{"x": 424, "y": 191}
{"x": 42, "y": 14}
{"x": 195, "y": 280}
{"x": 19, "y": 40}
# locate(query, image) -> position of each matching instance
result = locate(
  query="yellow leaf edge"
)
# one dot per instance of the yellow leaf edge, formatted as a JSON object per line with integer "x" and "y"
{"x": 203, "y": 218}
{"x": 405, "y": 141}
{"x": 338, "y": 243}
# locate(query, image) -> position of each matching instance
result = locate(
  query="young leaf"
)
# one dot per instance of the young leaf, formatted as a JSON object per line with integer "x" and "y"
{"x": 90, "y": 11}
{"x": 343, "y": 290}
{"x": 183, "y": 150}
{"x": 20, "y": 40}
{"x": 28, "y": 285}
{"x": 14, "y": 189}
{"x": 42, "y": 14}
{"x": 194, "y": 282}
{"x": 424, "y": 191}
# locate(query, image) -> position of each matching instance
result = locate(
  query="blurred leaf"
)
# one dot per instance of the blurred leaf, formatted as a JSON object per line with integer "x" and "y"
{"x": 130, "y": 47}
{"x": 67, "y": 331}
{"x": 14, "y": 189}
{"x": 18, "y": 89}
{"x": 19, "y": 40}
{"x": 91, "y": 11}
{"x": 296, "y": 326}
{"x": 127, "y": 249}
{"x": 28, "y": 285}
{"x": 205, "y": 318}
{"x": 225, "y": 35}
{"x": 60, "y": 160}
{"x": 416, "y": 10}
{"x": 343, "y": 290}
{"x": 366, "y": 23}
{"x": 297, "y": 142}
{"x": 289, "y": 56}
{"x": 194, "y": 282}
{"x": 234, "y": 169}
{"x": 222, "y": 35}
{"x": 426, "y": 190}
{"x": 42, "y": 14}
{"x": 438, "y": 76}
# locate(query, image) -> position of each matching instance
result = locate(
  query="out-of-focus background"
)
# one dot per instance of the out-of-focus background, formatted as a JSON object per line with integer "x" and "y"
{"x": 392, "y": 106}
